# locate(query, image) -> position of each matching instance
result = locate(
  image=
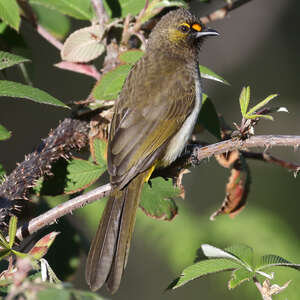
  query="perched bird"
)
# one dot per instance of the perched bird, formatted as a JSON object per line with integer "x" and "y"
{"x": 154, "y": 117}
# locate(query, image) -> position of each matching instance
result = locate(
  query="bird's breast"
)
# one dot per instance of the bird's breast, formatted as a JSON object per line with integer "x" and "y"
{"x": 179, "y": 140}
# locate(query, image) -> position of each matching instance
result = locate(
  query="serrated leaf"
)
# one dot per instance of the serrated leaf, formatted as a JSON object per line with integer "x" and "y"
{"x": 158, "y": 201}
{"x": 214, "y": 252}
{"x": 111, "y": 83}
{"x": 42, "y": 246}
{"x": 81, "y": 174}
{"x": 10, "y": 13}
{"x": 205, "y": 267}
{"x": 7, "y": 60}
{"x": 261, "y": 104}
{"x": 131, "y": 56}
{"x": 4, "y": 133}
{"x": 53, "y": 21}
{"x": 243, "y": 252}
{"x": 84, "y": 44}
{"x": 270, "y": 260}
{"x": 244, "y": 100}
{"x": 238, "y": 277}
{"x": 98, "y": 151}
{"x": 18, "y": 90}
{"x": 209, "y": 119}
{"x": 12, "y": 229}
{"x": 209, "y": 74}
{"x": 79, "y": 9}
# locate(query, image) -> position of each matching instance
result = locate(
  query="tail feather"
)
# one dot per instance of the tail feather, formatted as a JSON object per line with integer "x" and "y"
{"x": 109, "y": 250}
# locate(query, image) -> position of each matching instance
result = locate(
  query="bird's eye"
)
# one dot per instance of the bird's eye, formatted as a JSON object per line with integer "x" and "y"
{"x": 184, "y": 28}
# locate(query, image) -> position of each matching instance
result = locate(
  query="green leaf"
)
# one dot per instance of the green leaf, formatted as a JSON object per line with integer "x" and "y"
{"x": 12, "y": 229}
{"x": 261, "y": 104}
{"x": 84, "y": 44}
{"x": 268, "y": 117}
{"x": 110, "y": 84}
{"x": 242, "y": 252}
{"x": 209, "y": 119}
{"x": 85, "y": 295}
{"x": 205, "y": 267}
{"x": 18, "y": 90}
{"x": 214, "y": 252}
{"x": 3, "y": 241}
{"x": 2, "y": 173}
{"x": 53, "y": 293}
{"x": 100, "y": 148}
{"x": 158, "y": 201}
{"x": 131, "y": 56}
{"x": 10, "y": 14}
{"x": 53, "y": 21}
{"x": 4, "y": 133}
{"x": 244, "y": 100}
{"x": 270, "y": 260}
{"x": 81, "y": 174}
{"x": 238, "y": 277}
{"x": 19, "y": 254}
{"x": 7, "y": 60}
{"x": 121, "y": 8}
{"x": 209, "y": 74}
{"x": 78, "y": 9}
{"x": 4, "y": 253}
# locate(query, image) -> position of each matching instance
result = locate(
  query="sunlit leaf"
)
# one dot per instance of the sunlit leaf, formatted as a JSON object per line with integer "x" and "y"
{"x": 243, "y": 252}
{"x": 81, "y": 174}
{"x": 10, "y": 14}
{"x": 18, "y": 90}
{"x": 110, "y": 84}
{"x": 12, "y": 229}
{"x": 244, "y": 100}
{"x": 7, "y": 59}
{"x": 122, "y": 8}
{"x": 79, "y": 9}
{"x": 131, "y": 56}
{"x": 98, "y": 151}
{"x": 83, "y": 45}
{"x": 4, "y": 133}
{"x": 205, "y": 267}
{"x": 209, "y": 74}
{"x": 259, "y": 116}
{"x": 158, "y": 201}
{"x": 261, "y": 104}
{"x": 270, "y": 260}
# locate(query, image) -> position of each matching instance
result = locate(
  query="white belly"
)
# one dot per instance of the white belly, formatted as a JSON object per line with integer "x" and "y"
{"x": 180, "y": 139}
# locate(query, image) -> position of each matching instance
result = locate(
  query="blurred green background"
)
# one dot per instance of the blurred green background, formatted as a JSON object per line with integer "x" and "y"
{"x": 259, "y": 46}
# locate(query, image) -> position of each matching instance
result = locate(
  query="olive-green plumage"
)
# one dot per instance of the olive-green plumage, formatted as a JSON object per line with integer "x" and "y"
{"x": 153, "y": 119}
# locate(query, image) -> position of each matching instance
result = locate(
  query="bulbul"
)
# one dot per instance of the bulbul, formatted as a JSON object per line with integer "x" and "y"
{"x": 154, "y": 117}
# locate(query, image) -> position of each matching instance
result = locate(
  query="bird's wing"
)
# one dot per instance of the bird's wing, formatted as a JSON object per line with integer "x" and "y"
{"x": 146, "y": 118}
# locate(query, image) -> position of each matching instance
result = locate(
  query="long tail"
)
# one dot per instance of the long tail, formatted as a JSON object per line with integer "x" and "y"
{"x": 110, "y": 247}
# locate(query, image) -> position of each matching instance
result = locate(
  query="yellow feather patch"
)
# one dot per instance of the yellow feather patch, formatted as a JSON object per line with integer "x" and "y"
{"x": 197, "y": 27}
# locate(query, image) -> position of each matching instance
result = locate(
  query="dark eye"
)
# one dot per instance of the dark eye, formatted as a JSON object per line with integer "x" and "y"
{"x": 184, "y": 28}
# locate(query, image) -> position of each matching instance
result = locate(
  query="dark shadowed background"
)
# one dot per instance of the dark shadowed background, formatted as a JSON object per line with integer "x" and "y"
{"x": 259, "y": 46}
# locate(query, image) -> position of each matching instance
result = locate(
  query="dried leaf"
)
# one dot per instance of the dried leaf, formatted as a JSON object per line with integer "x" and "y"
{"x": 236, "y": 190}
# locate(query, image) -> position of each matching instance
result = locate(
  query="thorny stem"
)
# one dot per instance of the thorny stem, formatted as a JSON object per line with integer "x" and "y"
{"x": 202, "y": 152}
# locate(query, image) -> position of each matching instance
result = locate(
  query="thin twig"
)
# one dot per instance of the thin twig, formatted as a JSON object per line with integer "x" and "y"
{"x": 202, "y": 152}
{"x": 49, "y": 37}
{"x": 100, "y": 11}
{"x": 260, "y": 289}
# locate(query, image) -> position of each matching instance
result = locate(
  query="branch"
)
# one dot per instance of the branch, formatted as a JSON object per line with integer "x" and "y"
{"x": 201, "y": 153}
{"x": 71, "y": 133}
{"x": 260, "y": 289}
{"x": 100, "y": 11}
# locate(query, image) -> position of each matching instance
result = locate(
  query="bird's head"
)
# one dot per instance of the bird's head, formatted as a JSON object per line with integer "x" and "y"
{"x": 180, "y": 33}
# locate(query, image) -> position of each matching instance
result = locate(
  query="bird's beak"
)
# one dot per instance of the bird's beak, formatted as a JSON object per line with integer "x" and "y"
{"x": 206, "y": 32}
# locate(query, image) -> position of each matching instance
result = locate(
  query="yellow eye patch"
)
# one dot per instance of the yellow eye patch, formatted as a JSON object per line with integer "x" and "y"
{"x": 197, "y": 27}
{"x": 185, "y": 24}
